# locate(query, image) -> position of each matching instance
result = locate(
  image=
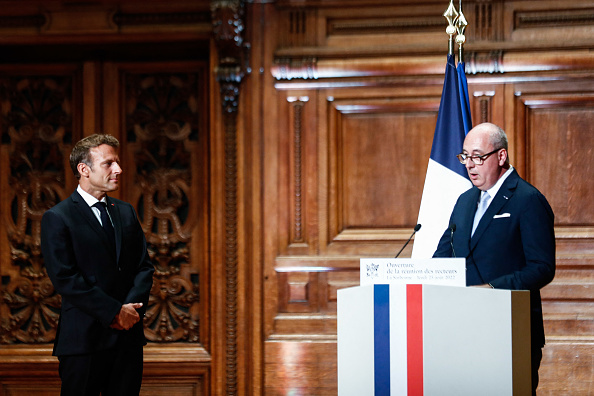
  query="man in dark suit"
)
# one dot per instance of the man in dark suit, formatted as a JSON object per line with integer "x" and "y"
{"x": 96, "y": 256}
{"x": 504, "y": 227}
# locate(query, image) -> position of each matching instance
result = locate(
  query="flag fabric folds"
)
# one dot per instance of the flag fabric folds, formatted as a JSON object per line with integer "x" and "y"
{"x": 446, "y": 177}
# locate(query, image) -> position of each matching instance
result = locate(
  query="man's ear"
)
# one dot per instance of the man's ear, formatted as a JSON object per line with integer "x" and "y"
{"x": 83, "y": 169}
{"x": 502, "y": 157}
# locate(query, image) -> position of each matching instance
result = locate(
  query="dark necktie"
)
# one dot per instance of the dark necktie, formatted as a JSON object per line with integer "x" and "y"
{"x": 106, "y": 222}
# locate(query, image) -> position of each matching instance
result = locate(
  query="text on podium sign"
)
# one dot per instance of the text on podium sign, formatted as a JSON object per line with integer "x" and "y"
{"x": 431, "y": 271}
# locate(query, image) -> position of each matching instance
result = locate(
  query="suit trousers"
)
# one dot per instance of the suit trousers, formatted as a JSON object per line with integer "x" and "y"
{"x": 536, "y": 359}
{"x": 113, "y": 372}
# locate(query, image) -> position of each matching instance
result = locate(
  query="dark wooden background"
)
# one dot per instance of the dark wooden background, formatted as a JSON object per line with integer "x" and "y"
{"x": 267, "y": 146}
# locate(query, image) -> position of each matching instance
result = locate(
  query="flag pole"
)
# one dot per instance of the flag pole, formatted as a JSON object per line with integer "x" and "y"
{"x": 446, "y": 178}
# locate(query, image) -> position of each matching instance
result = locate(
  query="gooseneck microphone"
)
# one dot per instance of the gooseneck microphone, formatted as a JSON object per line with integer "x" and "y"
{"x": 417, "y": 228}
{"x": 452, "y": 229}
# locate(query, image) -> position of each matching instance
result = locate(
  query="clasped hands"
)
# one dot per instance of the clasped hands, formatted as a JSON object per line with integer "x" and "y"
{"x": 127, "y": 317}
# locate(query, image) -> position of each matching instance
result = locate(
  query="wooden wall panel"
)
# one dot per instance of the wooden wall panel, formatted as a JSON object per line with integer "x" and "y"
{"x": 378, "y": 150}
{"x": 296, "y": 368}
{"x": 560, "y": 140}
{"x": 378, "y": 144}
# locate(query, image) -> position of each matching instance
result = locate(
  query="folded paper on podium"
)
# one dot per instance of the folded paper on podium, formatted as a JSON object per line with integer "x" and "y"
{"x": 425, "y": 339}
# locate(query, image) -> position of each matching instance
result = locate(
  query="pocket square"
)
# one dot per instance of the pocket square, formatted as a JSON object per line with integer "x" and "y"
{"x": 499, "y": 216}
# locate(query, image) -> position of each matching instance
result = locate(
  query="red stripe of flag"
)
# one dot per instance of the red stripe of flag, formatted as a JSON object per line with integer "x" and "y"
{"x": 414, "y": 339}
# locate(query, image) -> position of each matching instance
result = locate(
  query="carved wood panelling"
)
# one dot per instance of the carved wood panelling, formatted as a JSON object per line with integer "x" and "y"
{"x": 32, "y": 21}
{"x": 483, "y": 106}
{"x": 298, "y": 168}
{"x": 297, "y": 27}
{"x": 486, "y": 102}
{"x": 297, "y": 234}
{"x": 308, "y": 296}
{"x": 125, "y": 19}
{"x": 232, "y": 66}
{"x": 296, "y": 368}
{"x": 38, "y": 123}
{"x": 553, "y": 132}
{"x": 383, "y": 24}
{"x": 484, "y": 17}
{"x": 557, "y": 130}
{"x": 88, "y": 18}
{"x": 553, "y": 24}
{"x": 378, "y": 154}
{"x": 527, "y": 19}
{"x": 166, "y": 139}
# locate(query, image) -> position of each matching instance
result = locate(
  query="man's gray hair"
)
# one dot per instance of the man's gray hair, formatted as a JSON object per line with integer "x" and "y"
{"x": 498, "y": 137}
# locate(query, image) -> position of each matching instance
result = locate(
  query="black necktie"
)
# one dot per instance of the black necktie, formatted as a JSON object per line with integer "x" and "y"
{"x": 107, "y": 226}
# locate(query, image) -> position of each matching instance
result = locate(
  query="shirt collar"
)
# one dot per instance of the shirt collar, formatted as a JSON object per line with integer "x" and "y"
{"x": 89, "y": 199}
{"x": 493, "y": 190}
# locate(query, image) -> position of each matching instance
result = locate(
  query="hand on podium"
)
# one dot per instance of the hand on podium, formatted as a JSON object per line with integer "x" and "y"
{"x": 485, "y": 286}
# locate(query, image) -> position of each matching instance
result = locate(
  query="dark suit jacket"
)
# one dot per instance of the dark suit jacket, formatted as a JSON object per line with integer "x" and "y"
{"x": 93, "y": 280}
{"x": 513, "y": 246}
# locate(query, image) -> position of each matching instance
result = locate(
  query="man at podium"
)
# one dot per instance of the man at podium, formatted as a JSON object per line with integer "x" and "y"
{"x": 504, "y": 227}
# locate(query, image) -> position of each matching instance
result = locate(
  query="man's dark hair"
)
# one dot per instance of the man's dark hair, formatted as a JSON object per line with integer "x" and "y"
{"x": 81, "y": 152}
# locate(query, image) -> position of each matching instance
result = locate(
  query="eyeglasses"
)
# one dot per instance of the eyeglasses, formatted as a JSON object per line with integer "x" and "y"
{"x": 476, "y": 159}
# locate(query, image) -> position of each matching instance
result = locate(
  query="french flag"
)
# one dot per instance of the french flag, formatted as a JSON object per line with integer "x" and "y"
{"x": 446, "y": 177}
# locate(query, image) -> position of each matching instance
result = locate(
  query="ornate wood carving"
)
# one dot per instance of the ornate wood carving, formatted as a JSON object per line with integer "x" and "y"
{"x": 288, "y": 69}
{"x": 35, "y": 21}
{"x": 228, "y": 27}
{"x": 491, "y": 62}
{"x": 162, "y": 123}
{"x": 298, "y": 173}
{"x": 123, "y": 19}
{"x": 485, "y": 20}
{"x": 383, "y": 24}
{"x": 553, "y": 18}
{"x": 485, "y": 103}
{"x": 36, "y": 122}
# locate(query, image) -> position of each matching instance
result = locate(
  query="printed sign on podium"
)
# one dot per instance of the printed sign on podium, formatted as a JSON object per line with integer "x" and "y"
{"x": 404, "y": 271}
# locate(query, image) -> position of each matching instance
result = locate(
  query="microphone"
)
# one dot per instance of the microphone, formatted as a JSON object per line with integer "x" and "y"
{"x": 417, "y": 228}
{"x": 452, "y": 229}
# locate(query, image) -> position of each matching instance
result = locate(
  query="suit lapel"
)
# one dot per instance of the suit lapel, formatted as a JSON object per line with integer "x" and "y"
{"x": 501, "y": 198}
{"x": 87, "y": 213}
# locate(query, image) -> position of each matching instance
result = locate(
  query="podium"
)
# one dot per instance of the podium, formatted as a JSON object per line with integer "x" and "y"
{"x": 423, "y": 339}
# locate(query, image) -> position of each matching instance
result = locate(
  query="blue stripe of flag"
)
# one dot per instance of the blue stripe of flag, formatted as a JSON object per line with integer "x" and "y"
{"x": 381, "y": 327}
{"x": 449, "y": 129}
{"x": 464, "y": 100}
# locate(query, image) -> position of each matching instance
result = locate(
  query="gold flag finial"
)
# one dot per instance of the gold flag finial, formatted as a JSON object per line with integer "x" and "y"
{"x": 451, "y": 15}
{"x": 461, "y": 24}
